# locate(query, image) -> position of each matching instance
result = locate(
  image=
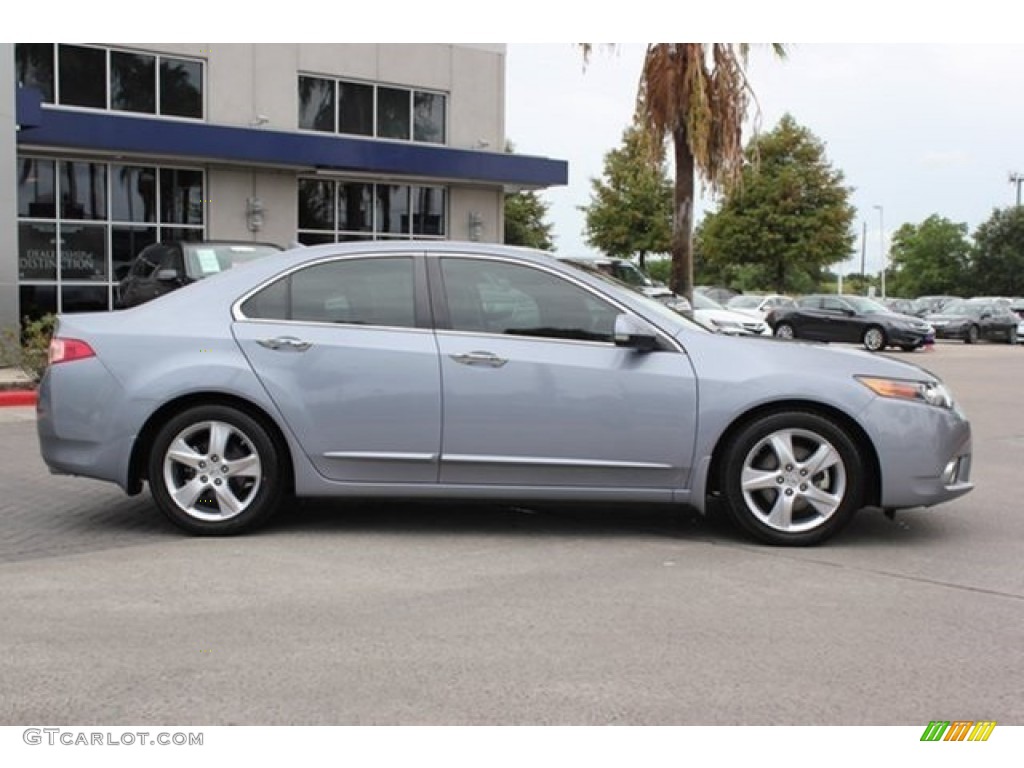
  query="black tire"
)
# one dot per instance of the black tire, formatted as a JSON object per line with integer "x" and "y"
{"x": 874, "y": 339}
{"x": 223, "y": 475}
{"x": 909, "y": 347}
{"x": 819, "y": 500}
{"x": 1011, "y": 337}
{"x": 785, "y": 331}
{"x": 972, "y": 335}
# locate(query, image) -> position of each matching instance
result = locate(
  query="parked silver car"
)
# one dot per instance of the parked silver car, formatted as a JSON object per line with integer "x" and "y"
{"x": 464, "y": 370}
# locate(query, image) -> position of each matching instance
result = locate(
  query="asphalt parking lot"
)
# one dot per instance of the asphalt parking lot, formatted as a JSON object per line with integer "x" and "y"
{"x": 396, "y": 613}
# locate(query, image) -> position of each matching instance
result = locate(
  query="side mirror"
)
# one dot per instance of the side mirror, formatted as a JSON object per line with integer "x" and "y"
{"x": 634, "y": 333}
{"x": 167, "y": 275}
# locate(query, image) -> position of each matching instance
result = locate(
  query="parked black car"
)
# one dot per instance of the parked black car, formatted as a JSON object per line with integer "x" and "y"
{"x": 163, "y": 267}
{"x": 975, "y": 319}
{"x": 832, "y": 317}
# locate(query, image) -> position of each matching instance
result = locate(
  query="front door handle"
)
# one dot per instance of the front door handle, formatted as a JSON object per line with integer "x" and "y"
{"x": 488, "y": 359}
{"x": 285, "y": 343}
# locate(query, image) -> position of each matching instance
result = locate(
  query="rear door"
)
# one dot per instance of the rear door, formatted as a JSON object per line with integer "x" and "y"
{"x": 344, "y": 348}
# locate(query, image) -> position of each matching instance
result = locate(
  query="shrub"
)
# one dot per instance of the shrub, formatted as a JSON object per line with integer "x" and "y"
{"x": 29, "y": 350}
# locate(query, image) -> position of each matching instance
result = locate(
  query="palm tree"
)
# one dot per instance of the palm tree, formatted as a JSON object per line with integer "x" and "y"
{"x": 697, "y": 95}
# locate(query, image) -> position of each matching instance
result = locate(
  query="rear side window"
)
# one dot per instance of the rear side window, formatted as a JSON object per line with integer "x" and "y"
{"x": 147, "y": 261}
{"x": 372, "y": 291}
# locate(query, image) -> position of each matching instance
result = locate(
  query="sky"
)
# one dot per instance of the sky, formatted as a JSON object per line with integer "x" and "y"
{"x": 917, "y": 129}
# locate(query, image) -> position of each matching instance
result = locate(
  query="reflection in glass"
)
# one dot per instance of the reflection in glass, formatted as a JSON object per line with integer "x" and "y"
{"x": 83, "y": 190}
{"x": 37, "y": 251}
{"x": 392, "y": 113}
{"x": 83, "y": 252}
{"x": 316, "y": 104}
{"x": 181, "y": 87}
{"x": 35, "y": 188}
{"x": 83, "y": 76}
{"x": 315, "y": 238}
{"x": 316, "y": 204}
{"x": 354, "y": 207}
{"x": 34, "y": 63}
{"x": 132, "y": 82}
{"x": 181, "y": 196}
{"x": 429, "y": 117}
{"x": 34, "y": 301}
{"x": 392, "y": 209}
{"x": 84, "y": 298}
{"x": 355, "y": 107}
{"x": 184, "y": 234}
{"x": 428, "y": 210}
{"x": 125, "y": 245}
{"x": 133, "y": 193}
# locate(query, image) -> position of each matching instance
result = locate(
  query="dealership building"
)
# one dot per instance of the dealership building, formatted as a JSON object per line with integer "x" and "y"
{"x": 107, "y": 148}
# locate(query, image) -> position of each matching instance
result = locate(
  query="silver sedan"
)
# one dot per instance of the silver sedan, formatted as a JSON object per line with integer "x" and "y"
{"x": 463, "y": 370}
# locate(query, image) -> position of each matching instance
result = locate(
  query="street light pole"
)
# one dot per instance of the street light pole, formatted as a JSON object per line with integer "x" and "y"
{"x": 881, "y": 243}
{"x": 1018, "y": 179}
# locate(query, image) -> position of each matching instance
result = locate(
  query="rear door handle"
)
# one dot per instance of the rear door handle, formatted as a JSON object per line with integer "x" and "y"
{"x": 285, "y": 343}
{"x": 488, "y": 359}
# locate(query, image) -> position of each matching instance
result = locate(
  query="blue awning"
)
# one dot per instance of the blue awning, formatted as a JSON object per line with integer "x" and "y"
{"x": 131, "y": 134}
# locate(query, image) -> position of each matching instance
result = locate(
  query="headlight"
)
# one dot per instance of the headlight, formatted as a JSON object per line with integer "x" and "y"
{"x": 930, "y": 392}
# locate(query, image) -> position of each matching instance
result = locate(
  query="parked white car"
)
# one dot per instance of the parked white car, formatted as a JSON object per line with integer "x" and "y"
{"x": 758, "y": 306}
{"x": 713, "y": 315}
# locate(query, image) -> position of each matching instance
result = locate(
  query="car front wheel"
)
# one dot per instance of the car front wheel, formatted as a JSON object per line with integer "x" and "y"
{"x": 792, "y": 478}
{"x": 972, "y": 335}
{"x": 215, "y": 470}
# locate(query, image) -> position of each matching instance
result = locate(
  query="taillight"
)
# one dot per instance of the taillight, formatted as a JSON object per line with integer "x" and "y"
{"x": 66, "y": 350}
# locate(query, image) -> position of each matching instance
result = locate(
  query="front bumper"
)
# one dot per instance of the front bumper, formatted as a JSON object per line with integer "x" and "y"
{"x": 924, "y": 452}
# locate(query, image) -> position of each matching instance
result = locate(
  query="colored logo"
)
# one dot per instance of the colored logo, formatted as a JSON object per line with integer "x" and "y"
{"x": 958, "y": 730}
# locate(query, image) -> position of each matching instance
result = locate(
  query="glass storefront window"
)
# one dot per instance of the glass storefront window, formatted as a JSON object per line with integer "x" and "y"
{"x": 34, "y": 301}
{"x": 181, "y": 87}
{"x": 36, "y": 191}
{"x": 355, "y": 107}
{"x": 132, "y": 193}
{"x": 355, "y": 207}
{"x": 83, "y": 76}
{"x": 125, "y": 244}
{"x": 393, "y": 113}
{"x": 83, "y": 252}
{"x": 392, "y": 209}
{"x": 84, "y": 298}
{"x": 132, "y": 77}
{"x": 181, "y": 196}
{"x": 83, "y": 190}
{"x": 37, "y": 251}
{"x": 429, "y": 119}
{"x": 316, "y": 204}
{"x": 316, "y": 104}
{"x": 34, "y": 63}
{"x": 428, "y": 206}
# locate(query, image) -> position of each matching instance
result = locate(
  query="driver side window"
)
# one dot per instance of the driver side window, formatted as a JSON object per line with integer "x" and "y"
{"x": 496, "y": 297}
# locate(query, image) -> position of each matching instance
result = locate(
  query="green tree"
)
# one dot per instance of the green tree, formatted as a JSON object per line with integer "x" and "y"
{"x": 525, "y": 221}
{"x": 929, "y": 258}
{"x": 787, "y": 220}
{"x": 695, "y": 94}
{"x": 997, "y": 268}
{"x": 630, "y": 210}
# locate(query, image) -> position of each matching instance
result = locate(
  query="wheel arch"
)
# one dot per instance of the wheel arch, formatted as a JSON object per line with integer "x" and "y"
{"x": 144, "y": 441}
{"x": 873, "y": 478}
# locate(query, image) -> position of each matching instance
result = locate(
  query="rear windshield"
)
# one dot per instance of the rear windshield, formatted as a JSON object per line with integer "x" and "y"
{"x": 205, "y": 259}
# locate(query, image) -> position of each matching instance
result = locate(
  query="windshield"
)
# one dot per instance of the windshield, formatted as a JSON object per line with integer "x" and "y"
{"x": 700, "y": 301}
{"x": 744, "y": 302}
{"x": 205, "y": 259}
{"x": 630, "y": 274}
{"x": 961, "y": 309}
{"x": 865, "y": 306}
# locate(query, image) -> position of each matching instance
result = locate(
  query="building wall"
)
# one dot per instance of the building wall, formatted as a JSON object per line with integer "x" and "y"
{"x": 8, "y": 191}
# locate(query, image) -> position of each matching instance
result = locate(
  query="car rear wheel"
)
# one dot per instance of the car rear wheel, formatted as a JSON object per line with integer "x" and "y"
{"x": 972, "y": 335}
{"x": 1011, "y": 337}
{"x": 215, "y": 470}
{"x": 785, "y": 331}
{"x": 792, "y": 478}
{"x": 874, "y": 339}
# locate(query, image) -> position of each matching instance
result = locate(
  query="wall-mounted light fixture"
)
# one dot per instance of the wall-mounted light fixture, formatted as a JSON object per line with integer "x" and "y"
{"x": 476, "y": 226}
{"x": 254, "y": 213}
